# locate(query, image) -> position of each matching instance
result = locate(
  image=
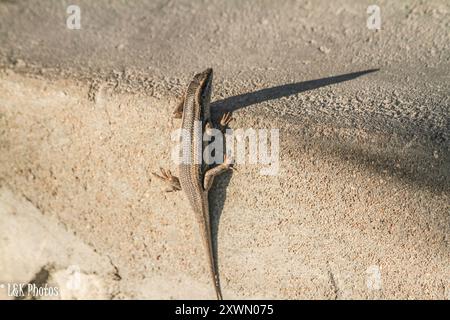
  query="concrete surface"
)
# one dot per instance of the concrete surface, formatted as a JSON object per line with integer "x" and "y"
{"x": 360, "y": 208}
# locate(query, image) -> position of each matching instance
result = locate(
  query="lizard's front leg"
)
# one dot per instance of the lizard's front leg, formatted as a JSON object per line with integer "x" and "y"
{"x": 178, "y": 112}
{"x": 225, "y": 121}
{"x": 168, "y": 178}
{"x": 212, "y": 173}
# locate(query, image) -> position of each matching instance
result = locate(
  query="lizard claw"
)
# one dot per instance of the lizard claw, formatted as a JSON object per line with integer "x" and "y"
{"x": 167, "y": 177}
{"x": 226, "y": 119}
{"x": 229, "y": 162}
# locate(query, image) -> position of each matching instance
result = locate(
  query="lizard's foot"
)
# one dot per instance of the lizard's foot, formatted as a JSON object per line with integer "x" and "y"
{"x": 178, "y": 112}
{"x": 228, "y": 162}
{"x": 225, "y": 120}
{"x": 168, "y": 178}
{"x": 212, "y": 173}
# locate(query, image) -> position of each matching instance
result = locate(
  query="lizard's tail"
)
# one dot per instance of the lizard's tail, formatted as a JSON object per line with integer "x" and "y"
{"x": 213, "y": 267}
{"x": 214, "y": 273}
{"x": 217, "y": 286}
{"x": 207, "y": 240}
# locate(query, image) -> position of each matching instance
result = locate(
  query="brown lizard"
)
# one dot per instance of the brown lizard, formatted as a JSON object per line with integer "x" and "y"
{"x": 195, "y": 176}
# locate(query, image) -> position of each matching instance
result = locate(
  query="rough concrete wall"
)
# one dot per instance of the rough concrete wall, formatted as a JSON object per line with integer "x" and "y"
{"x": 38, "y": 249}
{"x": 313, "y": 231}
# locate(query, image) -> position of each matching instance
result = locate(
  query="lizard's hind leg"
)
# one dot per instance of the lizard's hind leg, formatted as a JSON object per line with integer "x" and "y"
{"x": 168, "y": 178}
{"x": 212, "y": 173}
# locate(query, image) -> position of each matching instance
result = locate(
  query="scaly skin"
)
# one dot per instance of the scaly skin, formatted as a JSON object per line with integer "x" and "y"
{"x": 195, "y": 177}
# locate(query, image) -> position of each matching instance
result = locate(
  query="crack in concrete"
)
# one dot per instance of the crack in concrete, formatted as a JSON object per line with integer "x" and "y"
{"x": 333, "y": 284}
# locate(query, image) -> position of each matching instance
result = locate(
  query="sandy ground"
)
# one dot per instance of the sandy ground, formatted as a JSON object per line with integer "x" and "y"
{"x": 360, "y": 208}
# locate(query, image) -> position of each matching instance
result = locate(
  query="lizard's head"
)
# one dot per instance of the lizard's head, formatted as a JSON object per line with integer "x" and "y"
{"x": 205, "y": 80}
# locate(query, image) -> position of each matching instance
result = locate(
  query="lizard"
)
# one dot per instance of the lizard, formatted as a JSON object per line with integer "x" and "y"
{"x": 196, "y": 177}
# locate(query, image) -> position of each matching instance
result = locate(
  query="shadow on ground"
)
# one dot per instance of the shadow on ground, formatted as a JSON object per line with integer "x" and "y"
{"x": 216, "y": 197}
{"x": 247, "y": 99}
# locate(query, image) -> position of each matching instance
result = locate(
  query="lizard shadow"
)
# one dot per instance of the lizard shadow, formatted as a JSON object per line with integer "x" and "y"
{"x": 217, "y": 194}
{"x": 240, "y": 101}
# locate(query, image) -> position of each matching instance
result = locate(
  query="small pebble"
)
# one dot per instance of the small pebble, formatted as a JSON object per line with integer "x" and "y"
{"x": 324, "y": 50}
